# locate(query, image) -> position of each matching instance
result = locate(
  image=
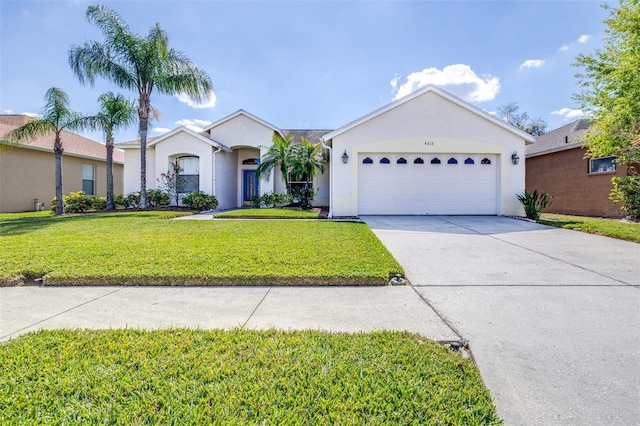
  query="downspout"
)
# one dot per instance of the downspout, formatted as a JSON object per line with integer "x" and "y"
{"x": 330, "y": 180}
{"x": 214, "y": 171}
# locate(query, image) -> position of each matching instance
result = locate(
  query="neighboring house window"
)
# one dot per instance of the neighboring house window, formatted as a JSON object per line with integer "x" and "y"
{"x": 88, "y": 179}
{"x": 605, "y": 164}
{"x": 190, "y": 174}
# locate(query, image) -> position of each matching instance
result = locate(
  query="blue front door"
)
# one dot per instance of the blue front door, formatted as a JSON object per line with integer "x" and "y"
{"x": 250, "y": 185}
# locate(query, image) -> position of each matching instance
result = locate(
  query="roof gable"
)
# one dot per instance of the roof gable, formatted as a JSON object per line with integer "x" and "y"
{"x": 155, "y": 140}
{"x": 243, "y": 113}
{"x": 440, "y": 92}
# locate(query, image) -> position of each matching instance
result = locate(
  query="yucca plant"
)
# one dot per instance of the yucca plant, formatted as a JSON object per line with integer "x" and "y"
{"x": 534, "y": 203}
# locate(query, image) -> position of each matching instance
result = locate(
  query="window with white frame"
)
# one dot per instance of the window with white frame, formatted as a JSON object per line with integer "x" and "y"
{"x": 601, "y": 165}
{"x": 190, "y": 174}
{"x": 88, "y": 179}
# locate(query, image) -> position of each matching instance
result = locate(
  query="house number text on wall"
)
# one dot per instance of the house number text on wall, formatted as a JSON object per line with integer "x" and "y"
{"x": 429, "y": 143}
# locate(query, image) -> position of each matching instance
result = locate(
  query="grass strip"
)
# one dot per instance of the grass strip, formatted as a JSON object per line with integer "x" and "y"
{"x": 614, "y": 228}
{"x": 182, "y": 376}
{"x": 144, "y": 248}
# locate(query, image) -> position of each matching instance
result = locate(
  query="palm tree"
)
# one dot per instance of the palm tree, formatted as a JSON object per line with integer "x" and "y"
{"x": 277, "y": 155}
{"x": 56, "y": 117}
{"x": 139, "y": 63}
{"x": 116, "y": 112}
{"x": 305, "y": 163}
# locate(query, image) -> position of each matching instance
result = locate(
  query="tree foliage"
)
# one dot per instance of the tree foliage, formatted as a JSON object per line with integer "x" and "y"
{"x": 510, "y": 112}
{"x": 138, "y": 63}
{"x": 609, "y": 84}
{"x": 276, "y": 156}
{"x": 56, "y": 117}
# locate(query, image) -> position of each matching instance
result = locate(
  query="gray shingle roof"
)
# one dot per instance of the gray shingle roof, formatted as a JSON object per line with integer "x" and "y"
{"x": 566, "y": 137}
{"x": 312, "y": 136}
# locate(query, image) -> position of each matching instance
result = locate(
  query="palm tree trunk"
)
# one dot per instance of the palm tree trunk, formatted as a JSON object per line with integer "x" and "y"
{"x": 143, "y": 112}
{"x": 110, "y": 203}
{"x": 57, "y": 149}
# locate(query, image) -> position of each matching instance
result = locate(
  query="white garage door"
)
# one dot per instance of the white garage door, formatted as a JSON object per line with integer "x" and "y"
{"x": 418, "y": 184}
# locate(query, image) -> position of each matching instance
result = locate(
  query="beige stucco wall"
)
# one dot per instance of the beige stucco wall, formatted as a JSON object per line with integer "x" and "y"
{"x": 428, "y": 123}
{"x": 26, "y": 174}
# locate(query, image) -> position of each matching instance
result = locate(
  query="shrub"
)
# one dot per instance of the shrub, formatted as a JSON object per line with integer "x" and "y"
{"x": 534, "y": 203}
{"x": 157, "y": 198}
{"x": 99, "y": 203}
{"x": 132, "y": 200}
{"x": 256, "y": 202}
{"x": 270, "y": 199}
{"x": 626, "y": 190}
{"x": 304, "y": 196}
{"x": 119, "y": 201}
{"x": 200, "y": 201}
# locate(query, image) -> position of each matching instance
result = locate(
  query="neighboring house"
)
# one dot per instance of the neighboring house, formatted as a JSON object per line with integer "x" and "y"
{"x": 27, "y": 171}
{"x": 556, "y": 164}
{"x": 427, "y": 153}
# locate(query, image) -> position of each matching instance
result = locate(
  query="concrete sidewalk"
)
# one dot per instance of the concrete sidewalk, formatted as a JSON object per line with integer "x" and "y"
{"x": 340, "y": 309}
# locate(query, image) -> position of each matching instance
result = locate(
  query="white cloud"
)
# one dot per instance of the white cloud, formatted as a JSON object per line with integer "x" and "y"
{"x": 32, "y": 114}
{"x": 458, "y": 79}
{"x": 394, "y": 81}
{"x": 7, "y": 111}
{"x": 584, "y": 38}
{"x": 160, "y": 130}
{"x": 186, "y": 99}
{"x": 196, "y": 125}
{"x": 532, "y": 63}
{"x": 570, "y": 113}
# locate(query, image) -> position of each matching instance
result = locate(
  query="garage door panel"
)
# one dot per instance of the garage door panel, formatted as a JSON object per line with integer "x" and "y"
{"x": 427, "y": 188}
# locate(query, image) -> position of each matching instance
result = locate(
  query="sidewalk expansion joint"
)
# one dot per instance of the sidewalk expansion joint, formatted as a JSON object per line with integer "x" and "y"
{"x": 256, "y": 308}
{"x": 61, "y": 313}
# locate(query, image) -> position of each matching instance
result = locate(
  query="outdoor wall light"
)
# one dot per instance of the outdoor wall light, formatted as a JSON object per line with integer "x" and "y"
{"x": 514, "y": 157}
{"x": 345, "y": 157}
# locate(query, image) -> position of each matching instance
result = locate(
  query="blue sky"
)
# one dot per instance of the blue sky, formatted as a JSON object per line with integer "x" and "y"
{"x": 317, "y": 64}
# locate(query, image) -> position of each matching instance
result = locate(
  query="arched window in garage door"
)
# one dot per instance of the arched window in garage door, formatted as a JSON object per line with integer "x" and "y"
{"x": 385, "y": 160}
{"x": 469, "y": 161}
{"x": 452, "y": 161}
{"x": 418, "y": 161}
{"x": 485, "y": 161}
{"x": 435, "y": 161}
{"x": 367, "y": 161}
{"x": 401, "y": 160}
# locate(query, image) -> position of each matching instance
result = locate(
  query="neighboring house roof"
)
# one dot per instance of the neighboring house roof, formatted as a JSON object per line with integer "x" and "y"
{"x": 73, "y": 144}
{"x": 157, "y": 139}
{"x": 431, "y": 88}
{"x": 568, "y": 136}
{"x": 246, "y": 114}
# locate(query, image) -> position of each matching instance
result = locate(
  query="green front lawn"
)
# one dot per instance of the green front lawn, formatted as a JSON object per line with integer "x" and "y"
{"x": 144, "y": 248}
{"x": 614, "y": 228}
{"x": 184, "y": 376}
{"x": 270, "y": 213}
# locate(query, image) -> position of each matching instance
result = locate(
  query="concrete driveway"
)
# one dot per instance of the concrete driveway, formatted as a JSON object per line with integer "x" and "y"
{"x": 552, "y": 316}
